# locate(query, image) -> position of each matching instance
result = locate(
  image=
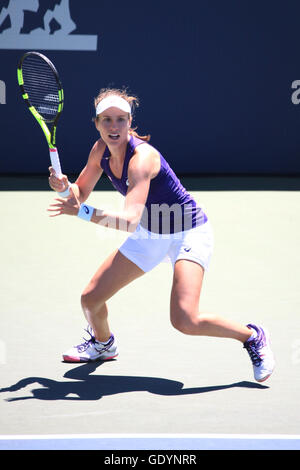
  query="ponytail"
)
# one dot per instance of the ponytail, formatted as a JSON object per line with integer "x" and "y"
{"x": 146, "y": 138}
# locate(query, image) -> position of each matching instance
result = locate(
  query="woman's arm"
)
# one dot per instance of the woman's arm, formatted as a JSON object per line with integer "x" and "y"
{"x": 87, "y": 179}
{"x": 90, "y": 174}
{"x": 143, "y": 166}
{"x": 141, "y": 169}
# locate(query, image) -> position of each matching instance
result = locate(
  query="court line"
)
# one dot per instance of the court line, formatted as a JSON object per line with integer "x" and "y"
{"x": 151, "y": 442}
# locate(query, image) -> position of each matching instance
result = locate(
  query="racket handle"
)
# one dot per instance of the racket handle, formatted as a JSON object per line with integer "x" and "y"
{"x": 55, "y": 162}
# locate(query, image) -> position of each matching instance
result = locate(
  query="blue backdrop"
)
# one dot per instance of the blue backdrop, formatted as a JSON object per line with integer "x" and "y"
{"x": 217, "y": 80}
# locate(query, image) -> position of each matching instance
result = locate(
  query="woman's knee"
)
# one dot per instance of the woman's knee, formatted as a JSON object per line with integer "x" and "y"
{"x": 188, "y": 321}
{"x": 182, "y": 319}
{"x": 91, "y": 299}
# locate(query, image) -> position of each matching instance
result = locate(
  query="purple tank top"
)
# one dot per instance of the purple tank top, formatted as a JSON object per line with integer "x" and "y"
{"x": 169, "y": 207}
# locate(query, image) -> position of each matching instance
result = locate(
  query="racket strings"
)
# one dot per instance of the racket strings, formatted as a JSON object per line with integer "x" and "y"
{"x": 41, "y": 86}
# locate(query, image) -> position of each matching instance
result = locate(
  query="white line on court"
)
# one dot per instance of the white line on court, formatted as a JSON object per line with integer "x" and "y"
{"x": 151, "y": 442}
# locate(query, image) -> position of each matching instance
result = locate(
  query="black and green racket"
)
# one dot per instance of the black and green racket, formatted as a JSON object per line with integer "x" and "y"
{"x": 42, "y": 91}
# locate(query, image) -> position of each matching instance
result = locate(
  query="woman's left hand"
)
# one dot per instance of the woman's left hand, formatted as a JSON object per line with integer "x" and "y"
{"x": 69, "y": 206}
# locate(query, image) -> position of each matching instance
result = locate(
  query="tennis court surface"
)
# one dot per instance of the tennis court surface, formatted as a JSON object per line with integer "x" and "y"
{"x": 165, "y": 390}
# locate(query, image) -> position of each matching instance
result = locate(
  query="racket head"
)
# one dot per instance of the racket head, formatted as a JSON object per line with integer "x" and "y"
{"x": 42, "y": 91}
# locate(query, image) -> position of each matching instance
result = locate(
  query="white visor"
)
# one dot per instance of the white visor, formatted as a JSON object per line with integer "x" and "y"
{"x": 113, "y": 102}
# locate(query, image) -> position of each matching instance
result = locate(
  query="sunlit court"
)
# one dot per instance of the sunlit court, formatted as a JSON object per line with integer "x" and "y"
{"x": 162, "y": 380}
{"x": 149, "y": 207}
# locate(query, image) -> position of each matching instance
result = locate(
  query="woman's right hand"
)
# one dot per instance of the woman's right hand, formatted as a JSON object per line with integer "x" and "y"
{"x": 58, "y": 184}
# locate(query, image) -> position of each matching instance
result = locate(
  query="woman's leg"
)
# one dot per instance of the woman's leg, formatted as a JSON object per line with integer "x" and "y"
{"x": 184, "y": 311}
{"x": 116, "y": 272}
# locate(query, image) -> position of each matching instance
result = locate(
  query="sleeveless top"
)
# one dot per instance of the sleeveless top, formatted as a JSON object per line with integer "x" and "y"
{"x": 169, "y": 207}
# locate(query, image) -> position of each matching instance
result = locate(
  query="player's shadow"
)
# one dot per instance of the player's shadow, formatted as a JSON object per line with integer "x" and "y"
{"x": 85, "y": 386}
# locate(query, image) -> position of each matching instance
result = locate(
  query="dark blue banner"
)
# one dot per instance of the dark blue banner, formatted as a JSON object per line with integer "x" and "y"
{"x": 218, "y": 82}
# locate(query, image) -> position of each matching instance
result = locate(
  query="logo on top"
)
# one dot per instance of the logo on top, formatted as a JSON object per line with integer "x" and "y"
{"x": 42, "y": 38}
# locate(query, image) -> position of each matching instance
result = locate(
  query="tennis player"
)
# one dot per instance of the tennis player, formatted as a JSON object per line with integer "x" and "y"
{"x": 164, "y": 221}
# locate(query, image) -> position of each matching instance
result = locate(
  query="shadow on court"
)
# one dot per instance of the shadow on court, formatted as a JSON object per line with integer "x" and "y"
{"x": 94, "y": 387}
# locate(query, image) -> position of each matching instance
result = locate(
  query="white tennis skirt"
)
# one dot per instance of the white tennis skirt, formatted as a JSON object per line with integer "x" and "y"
{"x": 148, "y": 249}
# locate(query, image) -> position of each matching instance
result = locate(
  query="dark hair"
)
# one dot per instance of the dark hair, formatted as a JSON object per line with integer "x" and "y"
{"x": 132, "y": 100}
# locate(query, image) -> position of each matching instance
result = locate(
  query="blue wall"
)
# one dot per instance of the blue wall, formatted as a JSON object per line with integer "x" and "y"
{"x": 214, "y": 79}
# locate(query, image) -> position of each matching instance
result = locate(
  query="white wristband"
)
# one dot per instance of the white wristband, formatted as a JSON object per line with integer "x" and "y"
{"x": 85, "y": 212}
{"x": 65, "y": 193}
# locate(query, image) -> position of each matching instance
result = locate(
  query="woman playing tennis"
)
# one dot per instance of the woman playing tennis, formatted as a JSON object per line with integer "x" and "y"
{"x": 164, "y": 221}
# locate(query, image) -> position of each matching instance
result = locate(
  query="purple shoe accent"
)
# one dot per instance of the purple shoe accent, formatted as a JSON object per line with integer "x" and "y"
{"x": 84, "y": 346}
{"x": 105, "y": 346}
{"x": 92, "y": 340}
{"x": 91, "y": 349}
{"x": 254, "y": 346}
{"x": 260, "y": 353}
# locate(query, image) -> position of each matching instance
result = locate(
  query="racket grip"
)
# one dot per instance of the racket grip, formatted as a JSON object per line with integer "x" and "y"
{"x": 55, "y": 161}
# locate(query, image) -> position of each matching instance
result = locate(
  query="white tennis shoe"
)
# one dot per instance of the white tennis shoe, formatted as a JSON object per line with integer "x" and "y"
{"x": 92, "y": 350}
{"x": 261, "y": 355}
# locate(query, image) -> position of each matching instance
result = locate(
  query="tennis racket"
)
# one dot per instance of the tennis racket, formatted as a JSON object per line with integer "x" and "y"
{"x": 42, "y": 91}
